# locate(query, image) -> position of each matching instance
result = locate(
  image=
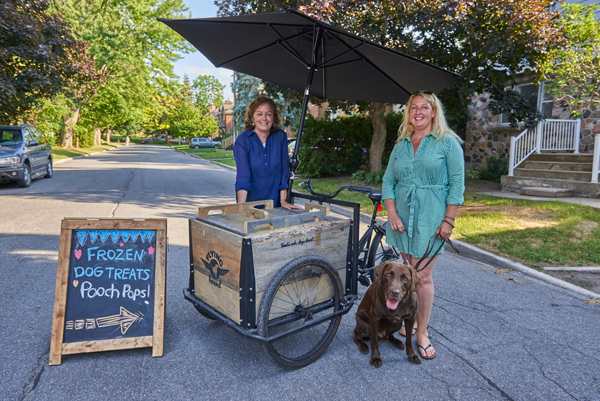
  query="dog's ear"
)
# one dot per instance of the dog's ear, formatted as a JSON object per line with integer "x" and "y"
{"x": 416, "y": 278}
{"x": 379, "y": 269}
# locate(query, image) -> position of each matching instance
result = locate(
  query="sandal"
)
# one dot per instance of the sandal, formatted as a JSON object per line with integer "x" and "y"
{"x": 425, "y": 350}
{"x": 403, "y": 331}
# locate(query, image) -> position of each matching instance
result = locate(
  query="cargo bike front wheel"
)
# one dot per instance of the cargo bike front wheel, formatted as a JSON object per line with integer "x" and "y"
{"x": 298, "y": 311}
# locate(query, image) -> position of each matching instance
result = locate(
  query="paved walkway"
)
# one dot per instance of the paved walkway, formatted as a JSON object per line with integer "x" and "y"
{"x": 593, "y": 202}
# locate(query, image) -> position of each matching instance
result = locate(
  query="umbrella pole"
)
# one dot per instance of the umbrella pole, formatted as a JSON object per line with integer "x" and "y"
{"x": 294, "y": 161}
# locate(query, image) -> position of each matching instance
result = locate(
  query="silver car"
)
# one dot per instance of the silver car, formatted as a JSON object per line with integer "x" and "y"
{"x": 197, "y": 143}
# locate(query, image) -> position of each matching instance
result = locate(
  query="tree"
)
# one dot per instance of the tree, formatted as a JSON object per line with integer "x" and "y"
{"x": 487, "y": 41}
{"x": 188, "y": 121}
{"x": 133, "y": 49}
{"x": 37, "y": 52}
{"x": 573, "y": 69}
{"x": 207, "y": 91}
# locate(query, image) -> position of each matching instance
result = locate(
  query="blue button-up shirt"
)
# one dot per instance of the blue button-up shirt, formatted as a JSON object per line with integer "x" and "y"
{"x": 263, "y": 171}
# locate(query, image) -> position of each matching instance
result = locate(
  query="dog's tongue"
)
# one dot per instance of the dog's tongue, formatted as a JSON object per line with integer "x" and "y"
{"x": 391, "y": 303}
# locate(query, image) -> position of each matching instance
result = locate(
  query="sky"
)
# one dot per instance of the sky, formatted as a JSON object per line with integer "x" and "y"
{"x": 195, "y": 64}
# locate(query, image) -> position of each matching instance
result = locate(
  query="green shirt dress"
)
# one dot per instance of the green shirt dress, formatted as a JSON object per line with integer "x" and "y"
{"x": 422, "y": 184}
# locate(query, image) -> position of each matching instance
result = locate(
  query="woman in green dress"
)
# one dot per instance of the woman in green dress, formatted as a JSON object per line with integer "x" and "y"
{"x": 422, "y": 189}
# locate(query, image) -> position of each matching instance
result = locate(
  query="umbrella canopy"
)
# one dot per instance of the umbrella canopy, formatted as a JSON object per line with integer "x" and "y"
{"x": 303, "y": 53}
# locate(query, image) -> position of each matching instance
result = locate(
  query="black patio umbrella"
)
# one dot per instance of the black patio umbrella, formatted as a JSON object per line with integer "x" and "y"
{"x": 303, "y": 53}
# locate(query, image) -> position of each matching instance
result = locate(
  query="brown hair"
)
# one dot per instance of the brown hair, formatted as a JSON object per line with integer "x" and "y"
{"x": 255, "y": 104}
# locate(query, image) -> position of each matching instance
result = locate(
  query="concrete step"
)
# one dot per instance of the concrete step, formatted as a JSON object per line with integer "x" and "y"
{"x": 562, "y": 157}
{"x": 580, "y": 189}
{"x": 583, "y": 176}
{"x": 552, "y": 165}
{"x": 547, "y": 192}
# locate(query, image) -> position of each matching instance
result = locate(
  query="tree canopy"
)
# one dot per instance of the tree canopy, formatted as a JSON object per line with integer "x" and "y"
{"x": 38, "y": 56}
{"x": 489, "y": 42}
{"x": 573, "y": 69}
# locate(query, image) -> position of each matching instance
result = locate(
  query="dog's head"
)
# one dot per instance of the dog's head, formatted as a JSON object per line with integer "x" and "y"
{"x": 397, "y": 282}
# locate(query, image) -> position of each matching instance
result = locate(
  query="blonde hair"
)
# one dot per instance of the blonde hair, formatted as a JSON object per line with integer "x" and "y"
{"x": 440, "y": 125}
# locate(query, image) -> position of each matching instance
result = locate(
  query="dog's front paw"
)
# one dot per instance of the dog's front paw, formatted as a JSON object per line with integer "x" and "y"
{"x": 376, "y": 362}
{"x": 414, "y": 358}
{"x": 363, "y": 348}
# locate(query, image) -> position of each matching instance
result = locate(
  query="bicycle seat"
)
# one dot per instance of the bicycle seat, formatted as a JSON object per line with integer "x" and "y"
{"x": 375, "y": 195}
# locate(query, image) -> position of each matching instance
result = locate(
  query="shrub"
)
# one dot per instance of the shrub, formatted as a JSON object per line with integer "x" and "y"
{"x": 334, "y": 147}
{"x": 496, "y": 167}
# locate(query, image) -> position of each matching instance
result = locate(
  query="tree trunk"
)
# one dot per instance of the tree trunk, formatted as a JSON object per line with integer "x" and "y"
{"x": 379, "y": 134}
{"x": 108, "y": 132}
{"x": 97, "y": 136}
{"x": 70, "y": 120}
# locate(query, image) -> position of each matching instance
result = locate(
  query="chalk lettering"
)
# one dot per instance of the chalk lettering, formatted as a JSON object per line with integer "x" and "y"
{"x": 135, "y": 293}
{"x": 88, "y": 291}
{"x": 88, "y": 271}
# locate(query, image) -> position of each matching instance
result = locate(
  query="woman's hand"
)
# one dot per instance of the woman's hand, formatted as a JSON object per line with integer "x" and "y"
{"x": 444, "y": 230}
{"x": 395, "y": 222}
{"x": 287, "y": 205}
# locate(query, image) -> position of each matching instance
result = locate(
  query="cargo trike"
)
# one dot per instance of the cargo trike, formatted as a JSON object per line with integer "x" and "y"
{"x": 284, "y": 277}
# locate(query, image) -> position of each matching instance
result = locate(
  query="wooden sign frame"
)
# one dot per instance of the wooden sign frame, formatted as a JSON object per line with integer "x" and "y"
{"x": 57, "y": 347}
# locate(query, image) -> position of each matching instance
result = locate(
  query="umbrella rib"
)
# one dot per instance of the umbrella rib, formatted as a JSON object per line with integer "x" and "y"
{"x": 287, "y": 46}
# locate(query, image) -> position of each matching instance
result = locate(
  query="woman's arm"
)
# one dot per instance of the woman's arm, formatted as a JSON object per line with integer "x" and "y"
{"x": 242, "y": 195}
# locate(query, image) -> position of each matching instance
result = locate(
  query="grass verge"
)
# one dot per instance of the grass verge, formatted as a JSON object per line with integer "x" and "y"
{"x": 535, "y": 233}
{"x": 60, "y": 153}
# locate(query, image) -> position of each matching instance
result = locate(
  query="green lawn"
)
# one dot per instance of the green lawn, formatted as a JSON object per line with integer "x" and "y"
{"x": 535, "y": 233}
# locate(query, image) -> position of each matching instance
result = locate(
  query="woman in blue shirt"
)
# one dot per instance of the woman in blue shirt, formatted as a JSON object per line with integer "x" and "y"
{"x": 261, "y": 156}
{"x": 422, "y": 189}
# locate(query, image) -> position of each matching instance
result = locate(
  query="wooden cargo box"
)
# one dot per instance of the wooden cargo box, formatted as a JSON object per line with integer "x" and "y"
{"x": 236, "y": 252}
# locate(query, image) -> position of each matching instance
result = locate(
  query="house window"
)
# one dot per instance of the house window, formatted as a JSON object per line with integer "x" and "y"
{"x": 536, "y": 97}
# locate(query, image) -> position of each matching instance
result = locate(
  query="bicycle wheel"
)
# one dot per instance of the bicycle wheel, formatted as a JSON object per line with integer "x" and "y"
{"x": 305, "y": 290}
{"x": 381, "y": 252}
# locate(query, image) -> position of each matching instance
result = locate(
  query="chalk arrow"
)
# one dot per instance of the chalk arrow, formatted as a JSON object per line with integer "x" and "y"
{"x": 125, "y": 319}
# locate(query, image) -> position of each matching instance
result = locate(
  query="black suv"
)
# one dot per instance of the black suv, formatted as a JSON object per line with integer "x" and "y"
{"x": 24, "y": 154}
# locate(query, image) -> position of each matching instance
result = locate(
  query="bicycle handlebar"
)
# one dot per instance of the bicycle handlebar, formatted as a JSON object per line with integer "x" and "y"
{"x": 307, "y": 185}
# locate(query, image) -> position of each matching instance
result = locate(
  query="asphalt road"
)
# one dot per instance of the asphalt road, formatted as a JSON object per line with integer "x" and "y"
{"x": 497, "y": 336}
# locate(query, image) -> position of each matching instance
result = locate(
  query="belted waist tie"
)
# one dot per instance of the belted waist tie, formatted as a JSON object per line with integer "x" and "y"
{"x": 410, "y": 201}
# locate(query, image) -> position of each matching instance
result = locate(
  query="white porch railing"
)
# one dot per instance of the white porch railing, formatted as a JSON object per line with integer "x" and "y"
{"x": 596, "y": 161}
{"x": 548, "y": 135}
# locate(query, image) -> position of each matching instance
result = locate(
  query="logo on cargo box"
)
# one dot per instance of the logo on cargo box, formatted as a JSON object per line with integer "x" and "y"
{"x": 214, "y": 263}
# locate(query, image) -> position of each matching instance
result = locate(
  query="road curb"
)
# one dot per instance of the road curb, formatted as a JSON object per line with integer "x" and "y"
{"x": 60, "y": 161}
{"x": 231, "y": 168}
{"x": 474, "y": 253}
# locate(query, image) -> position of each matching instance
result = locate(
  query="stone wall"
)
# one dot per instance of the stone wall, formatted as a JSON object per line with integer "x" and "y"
{"x": 485, "y": 136}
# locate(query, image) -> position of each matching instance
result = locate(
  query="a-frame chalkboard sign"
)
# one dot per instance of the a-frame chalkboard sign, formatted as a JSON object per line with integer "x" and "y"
{"x": 110, "y": 286}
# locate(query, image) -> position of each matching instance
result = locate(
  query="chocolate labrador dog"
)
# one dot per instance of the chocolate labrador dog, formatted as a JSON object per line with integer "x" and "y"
{"x": 389, "y": 301}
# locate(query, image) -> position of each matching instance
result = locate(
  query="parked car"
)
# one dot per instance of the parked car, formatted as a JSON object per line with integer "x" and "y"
{"x": 198, "y": 143}
{"x": 153, "y": 139}
{"x": 24, "y": 154}
{"x": 291, "y": 147}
